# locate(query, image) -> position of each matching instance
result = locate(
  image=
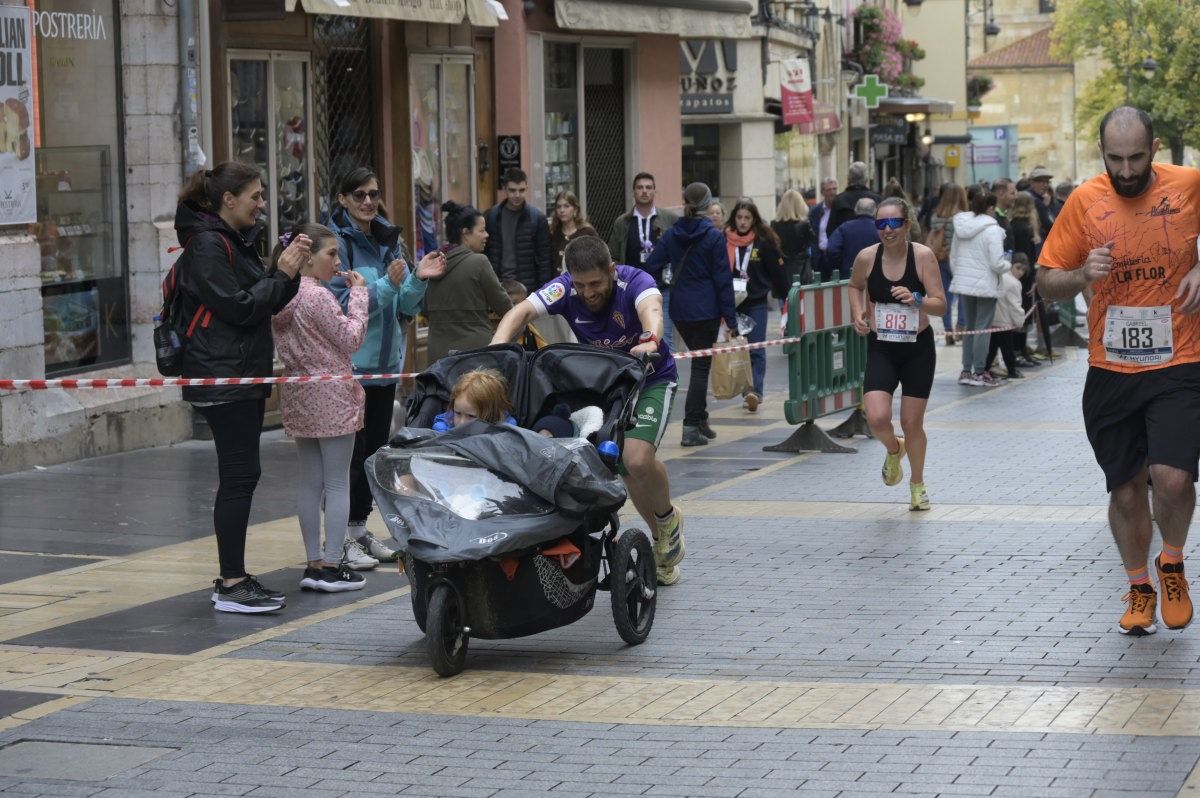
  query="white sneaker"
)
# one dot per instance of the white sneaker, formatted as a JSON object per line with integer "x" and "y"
{"x": 376, "y": 548}
{"x": 355, "y": 558}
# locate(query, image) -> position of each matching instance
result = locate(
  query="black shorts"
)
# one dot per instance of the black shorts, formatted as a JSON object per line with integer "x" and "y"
{"x": 890, "y": 364}
{"x": 1144, "y": 418}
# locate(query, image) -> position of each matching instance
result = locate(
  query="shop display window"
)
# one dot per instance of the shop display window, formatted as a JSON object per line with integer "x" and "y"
{"x": 561, "y": 124}
{"x": 270, "y": 101}
{"x": 443, "y": 166}
{"x": 77, "y": 151}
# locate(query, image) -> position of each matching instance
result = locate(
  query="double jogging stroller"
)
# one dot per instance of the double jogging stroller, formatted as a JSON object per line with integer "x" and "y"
{"x": 506, "y": 533}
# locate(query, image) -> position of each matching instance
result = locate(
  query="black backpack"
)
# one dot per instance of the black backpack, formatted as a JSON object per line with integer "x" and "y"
{"x": 170, "y": 335}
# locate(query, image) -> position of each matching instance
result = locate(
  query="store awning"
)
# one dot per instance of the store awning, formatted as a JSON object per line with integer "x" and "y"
{"x": 449, "y": 12}
{"x": 687, "y": 19}
{"x": 485, "y": 13}
{"x": 914, "y": 105}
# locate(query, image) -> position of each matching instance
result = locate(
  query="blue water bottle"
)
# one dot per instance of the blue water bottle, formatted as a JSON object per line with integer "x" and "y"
{"x": 610, "y": 453}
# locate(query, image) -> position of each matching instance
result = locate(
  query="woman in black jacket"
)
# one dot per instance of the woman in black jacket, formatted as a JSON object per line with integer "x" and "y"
{"x": 756, "y": 262}
{"x": 228, "y": 298}
{"x": 795, "y": 236}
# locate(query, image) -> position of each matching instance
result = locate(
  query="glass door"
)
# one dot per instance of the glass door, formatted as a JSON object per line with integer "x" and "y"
{"x": 443, "y": 131}
{"x": 270, "y": 101}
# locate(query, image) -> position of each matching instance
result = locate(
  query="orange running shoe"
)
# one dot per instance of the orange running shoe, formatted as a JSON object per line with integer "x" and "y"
{"x": 1138, "y": 620}
{"x": 1176, "y": 610}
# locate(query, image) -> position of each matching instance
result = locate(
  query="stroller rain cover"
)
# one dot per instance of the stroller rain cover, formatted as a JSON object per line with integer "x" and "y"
{"x": 524, "y": 490}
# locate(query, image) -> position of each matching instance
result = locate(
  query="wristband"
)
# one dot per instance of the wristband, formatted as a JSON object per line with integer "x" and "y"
{"x": 918, "y": 298}
{"x": 646, "y": 337}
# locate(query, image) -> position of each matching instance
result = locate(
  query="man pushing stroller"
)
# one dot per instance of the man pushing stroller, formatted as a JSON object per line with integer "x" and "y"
{"x": 620, "y": 307}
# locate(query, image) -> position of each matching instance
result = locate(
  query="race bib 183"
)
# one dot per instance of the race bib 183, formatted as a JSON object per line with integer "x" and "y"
{"x": 1138, "y": 336}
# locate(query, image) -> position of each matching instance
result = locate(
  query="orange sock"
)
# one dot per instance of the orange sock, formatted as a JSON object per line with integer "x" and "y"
{"x": 1171, "y": 555}
{"x": 1139, "y": 577}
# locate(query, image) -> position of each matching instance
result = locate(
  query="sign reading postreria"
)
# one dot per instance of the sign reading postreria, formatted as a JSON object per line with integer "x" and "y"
{"x": 707, "y": 76}
{"x": 18, "y": 201}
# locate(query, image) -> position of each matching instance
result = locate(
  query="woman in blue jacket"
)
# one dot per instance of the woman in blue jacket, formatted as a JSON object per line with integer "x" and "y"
{"x": 701, "y": 296}
{"x": 371, "y": 245}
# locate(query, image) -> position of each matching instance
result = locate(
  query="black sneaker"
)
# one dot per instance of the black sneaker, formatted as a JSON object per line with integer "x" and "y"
{"x": 332, "y": 580}
{"x": 692, "y": 436}
{"x": 275, "y": 594}
{"x": 245, "y": 596}
{"x": 706, "y": 430}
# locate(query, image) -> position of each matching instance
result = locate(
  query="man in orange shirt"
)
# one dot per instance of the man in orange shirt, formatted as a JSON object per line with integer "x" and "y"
{"x": 1130, "y": 236}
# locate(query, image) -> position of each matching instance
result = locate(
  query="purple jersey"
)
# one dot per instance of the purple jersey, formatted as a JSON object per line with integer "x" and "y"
{"x": 616, "y": 327}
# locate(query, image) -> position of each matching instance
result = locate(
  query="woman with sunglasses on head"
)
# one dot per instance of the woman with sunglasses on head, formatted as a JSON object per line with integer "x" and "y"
{"x": 372, "y": 246}
{"x": 894, "y": 287}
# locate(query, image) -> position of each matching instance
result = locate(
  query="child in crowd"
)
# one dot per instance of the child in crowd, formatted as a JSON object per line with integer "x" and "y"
{"x": 314, "y": 337}
{"x": 531, "y": 340}
{"x": 480, "y": 394}
{"x": 1009, "y": 318}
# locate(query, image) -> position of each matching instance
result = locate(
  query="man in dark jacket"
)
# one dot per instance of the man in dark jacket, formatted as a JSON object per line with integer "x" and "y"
{"x": 634, "y": 235}
{"x": 1044, "y": 201}
{"x": 518, "y": 243}
{"x": 843, "y": 206}
{"x": 819, "y": 217}
{"x": 852, "y": 238}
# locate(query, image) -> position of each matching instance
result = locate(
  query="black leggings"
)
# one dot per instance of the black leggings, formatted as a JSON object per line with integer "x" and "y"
{"x": 236, "y": 427}
{"x": 697, "y": 335}
{"x": 377, "y": 427}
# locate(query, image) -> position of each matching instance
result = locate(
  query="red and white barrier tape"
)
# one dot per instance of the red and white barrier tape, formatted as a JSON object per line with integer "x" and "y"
{"x": 185, "y": 382}
{"x": 990, "y": 330}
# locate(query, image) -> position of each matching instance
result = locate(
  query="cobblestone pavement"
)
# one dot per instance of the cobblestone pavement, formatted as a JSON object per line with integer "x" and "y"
{"x": 824, "y": 640}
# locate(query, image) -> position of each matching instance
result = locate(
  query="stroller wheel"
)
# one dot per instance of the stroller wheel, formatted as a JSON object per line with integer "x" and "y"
{"x": 445, "y": 635}
{"x": 634, "y": 586}
{"x": 416, "y": 587}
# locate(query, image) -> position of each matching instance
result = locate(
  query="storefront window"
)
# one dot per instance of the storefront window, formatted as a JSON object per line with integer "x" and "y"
{"x": 562, "y": 121}
{"x": 270, "y": 111}
{"x": 442, "y": 135}
{"x": 702, "y": 156}
{"x": 77, "y": 151}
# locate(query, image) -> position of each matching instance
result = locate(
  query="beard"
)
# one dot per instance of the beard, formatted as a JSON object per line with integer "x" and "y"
{"x": 1131, "y": 188}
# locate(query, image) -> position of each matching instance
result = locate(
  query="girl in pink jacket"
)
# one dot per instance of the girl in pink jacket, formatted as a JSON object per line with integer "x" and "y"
{"x": 314, "y": 337}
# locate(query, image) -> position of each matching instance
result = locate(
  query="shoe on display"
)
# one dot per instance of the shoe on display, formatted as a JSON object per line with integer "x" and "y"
{"x": 893, "y": 469}
{"x": 1138, "y": 619}
{"x": 1176, "y": 609}
{"x": 332, "y": 580}
{"x": 376, "y": 548}
{"x": 355, "y": 558}
{"x": 244, "y": 597}
{"x": 668, "y": 544}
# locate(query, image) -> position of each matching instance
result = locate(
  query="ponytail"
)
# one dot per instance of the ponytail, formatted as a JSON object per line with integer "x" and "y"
{"x": 205, "y": 188}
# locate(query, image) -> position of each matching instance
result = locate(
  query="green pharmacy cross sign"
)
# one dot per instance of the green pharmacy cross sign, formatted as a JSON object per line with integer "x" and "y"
{"x": 871, "y": 91}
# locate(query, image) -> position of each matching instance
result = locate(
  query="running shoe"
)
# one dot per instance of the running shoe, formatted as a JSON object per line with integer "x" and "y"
{"x": 355, "y": 558}
{"x": 893, "y": 469}
{"x": 376, "y": 548}
{"x": 332, "y": 580}
{"x": 244, "y": 597}
{"x": 706, "y": 430}
{"x": 751, "y": 402}
{"x": 1138, "y": 619}
{"x": 984, "y": 379}
{"x": 964, "y": 378}
{"x": 918, "y": 498}
{"x": 275, "y": 594}
{"x": 668, "y": 545}
{"x": 1176, "y": 609}
{"x": 668, "y": 576}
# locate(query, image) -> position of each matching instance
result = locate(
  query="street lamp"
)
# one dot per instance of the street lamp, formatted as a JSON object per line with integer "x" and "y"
{"x": 1149, "y": 66}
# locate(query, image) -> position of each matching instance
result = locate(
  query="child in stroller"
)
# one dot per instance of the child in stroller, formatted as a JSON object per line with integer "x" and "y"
{"x": 504, "y": 534}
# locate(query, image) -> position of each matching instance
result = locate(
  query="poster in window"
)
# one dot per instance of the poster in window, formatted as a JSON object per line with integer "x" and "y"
{"x": 17, "y": 175}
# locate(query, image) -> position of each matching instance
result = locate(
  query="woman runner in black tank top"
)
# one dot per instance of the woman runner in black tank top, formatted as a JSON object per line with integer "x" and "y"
{"x": 894, "y": 288}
